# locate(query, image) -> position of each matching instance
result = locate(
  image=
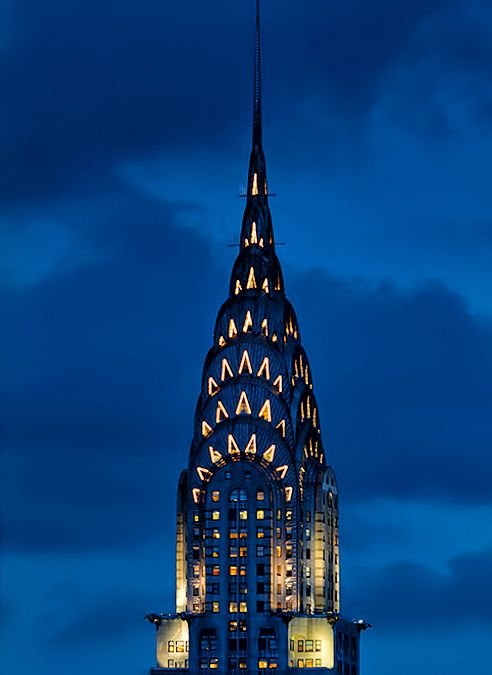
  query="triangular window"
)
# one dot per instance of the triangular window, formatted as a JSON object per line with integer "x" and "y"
{"x": 248, "y": 322}
{"x": 213, "y": 387}
{"x": 221, "y": 413}
{"x": 251, "y": 447}
{"x": 206, "y": 428}
{"x": 251, "y": 278}
{"x": 243, "y": 406}
{"x": 245, "y": 364}
{"x": 232, "y": 446}
{"x": 264, "y": 370}
{"x": 254, "y": 234}
{"x": 265, "y": 286}
{"x": 281, "y": 427}
{"x": 222, "y": 342}
{"x": 226, "y": 371}
{"x": 215, "y": 455}
{"x": 239, "y": 288}
{"x": 266, "y": 411}
{"x": 204, "y": 474}
{"x": 232, "y": 329}
{"x": 277, "y": 383}
{"x": 269, "y": 454}
{"x": 264, "y": 327}
{"x": 282, "y": 471}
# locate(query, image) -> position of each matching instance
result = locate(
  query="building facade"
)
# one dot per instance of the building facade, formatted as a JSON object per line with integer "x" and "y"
{"x": 257, "y": 550}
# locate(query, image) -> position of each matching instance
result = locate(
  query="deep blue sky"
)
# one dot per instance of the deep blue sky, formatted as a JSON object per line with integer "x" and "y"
{"x": 124, "y": 133}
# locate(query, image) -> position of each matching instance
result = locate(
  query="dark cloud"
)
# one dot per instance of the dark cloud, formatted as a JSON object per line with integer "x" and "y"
{"x": 412, "y": 596}
{"x": 404, "y": 386}
{"x": 172, "y": 78}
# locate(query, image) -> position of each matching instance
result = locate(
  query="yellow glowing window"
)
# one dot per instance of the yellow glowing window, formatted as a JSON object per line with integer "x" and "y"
{"x": 203, "y": 473}
{"x": 278, "y": 550}
{"x": 226, "y": 371}
{"x": 269, "y": 453}
{"x": 233, "y": 570}
{"x": 264, "y": 327}
{"x": 266, "y": 411}
{"x": 213, "y": 663}
{"x": 196, "y": 495}
{"x": 215, "y": 607}
{"x": 254, "y": 190}
{"x": 277, "y": 383}
{"x": 213, "y": 387}
{"x": 273, "y": 664}
{"x": 262, "y": 243}
{"x": 281, "y": 427}
{"x": 232, "y": 626}
{"x": 222, "y": 341}
{"x": 215, "y": 495}
{"x": 245, "y": 363}
{"x": 216, "y": 534}
{"x": 232, "y": 446}
{"x": 260, "y": 496}
{"x": 216, "y": 571}
{"x": 221, "y": 413}
{"x": 243, "y": 514}
{"x": 232, "y": 329}
{"x": 260, "y": 514}
{"x": 248, "y": 322}
{"x": 215, "y": 455}
{"x": 206, "y": 428}
{"x": 243, "y": 406}
{"x": 251, "y": 279}
{"x": 306, "y": 374}
{"x": 250, "y": 449}
{"x": 315, "y": 417}
{"x": 233, "y": 607}
{"x": 277, "y": 285}
{"x": 282, "y": 471}
{"x": 274, "y": 337}
{"x": 215, "y": 515}
{"x": 308, "y": 407}
{"x": 243, "y": 606}
{"x": 243, "y": 664}
{"x": 243, "y": 551}
{"x": 296, "y": 368}
{"x": 246, "y": 243}
{"x": 262, "y": 665}
{"x": 254, "y": 234}
{"x": 260, "y": 533}
{"x": 265, "y": 286}
{"x": 302, "y": 411}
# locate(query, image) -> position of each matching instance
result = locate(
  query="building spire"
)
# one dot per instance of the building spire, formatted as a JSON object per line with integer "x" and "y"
{"x": 257, "y": 82}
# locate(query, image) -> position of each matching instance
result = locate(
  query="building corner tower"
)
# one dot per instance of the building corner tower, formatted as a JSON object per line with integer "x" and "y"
{"x": 257, "y": 551}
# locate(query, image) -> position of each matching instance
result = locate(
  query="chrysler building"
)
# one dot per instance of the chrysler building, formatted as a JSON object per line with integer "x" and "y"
{"x": 257, "y": 548}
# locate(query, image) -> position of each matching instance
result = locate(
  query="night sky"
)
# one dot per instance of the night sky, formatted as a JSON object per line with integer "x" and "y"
{"x": 125, "y": 133}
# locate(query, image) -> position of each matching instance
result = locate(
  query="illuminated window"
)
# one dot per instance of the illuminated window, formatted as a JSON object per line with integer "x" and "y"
{"x": 226, "y": 371}
{"x": 254, "y": 189}
{"x": 243, "y": 406}
{"x": 251, "y": 278}
{"x": 248, "y": 322}
{"x": 203, "y": 473}
{"x": 206, "y": 428}
{"x": 232, "y": 329}
{"x": 221, "y": 413}
{"x": 239, "y": 288}
{"x": 277, "y": 383}
{"x": 317, "y": 645}
{"x": 245, "y": 363}
{"x": 260, "y": 533}
{"x": 216, "y": 534}
{"x": 288, "y": 515}
{"x": 215, "y": 515}
{"x": 215, "y": 455}
{"x": 269, "y": 454}
{"x": 274, "y": 337}
{"x": 216, "y": 570}
{"x": 264, "y": 370}
{"x": 282, "y": 471}
{"x": 254, "y": 234}
{"x": 262, "y": 664}
{"x": 250, "y": 449}
{"x": 281, "y": 427}
{"x": 243, "y": 606}
{"x": 243, "y": 514}
{"x": 315, "y": 417}
{"x": 260, "y": 514}
{"x": 260, "y": 496}
{"x": 266, "y": 411}
{"x": 170, "y": 646}
{"x": 232, "y": 607}
{"x": 265, "y": 286}
{"x": 232, "y": 446}
{"x": 215, "y": 495}
{"x": 222, "y": 341}
{"x": 213, "y": 387}
{"x": 300, "y": 645}
{"x": 196, "y": 495}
